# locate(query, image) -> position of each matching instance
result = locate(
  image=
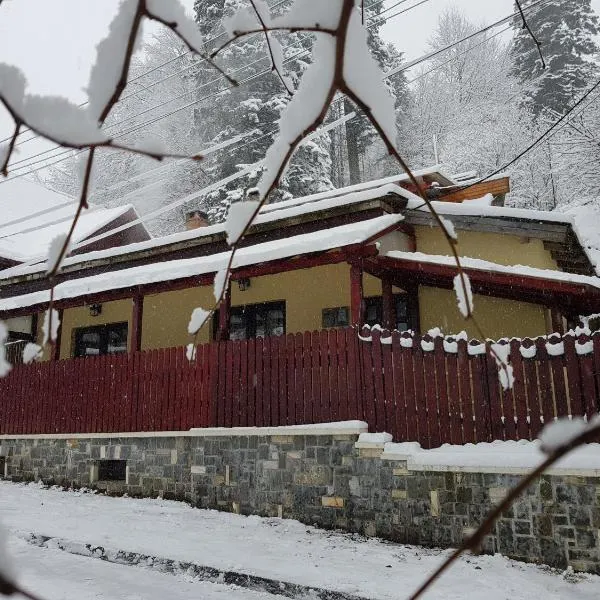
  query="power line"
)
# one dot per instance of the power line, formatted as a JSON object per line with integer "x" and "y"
{"x": 266, "y": 71}
{"x": 394, "y": 71}
{"x": 540, "y": 139}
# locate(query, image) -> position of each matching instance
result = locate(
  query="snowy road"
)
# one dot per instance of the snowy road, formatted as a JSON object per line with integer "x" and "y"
{"x": 272, "y": 548}
{"x": 56, "y": 575}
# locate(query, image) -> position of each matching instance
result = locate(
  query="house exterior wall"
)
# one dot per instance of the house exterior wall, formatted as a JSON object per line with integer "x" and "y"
{"x": 306, "y": 293}
{"x": 503, "y": 249}
{"x": 498, "y": 317}
{"x": 166, "y": 317}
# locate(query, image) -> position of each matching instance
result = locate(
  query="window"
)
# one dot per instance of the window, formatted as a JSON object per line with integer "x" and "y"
{"x": 336, "y": 317}
{"x": 112, "y": 470}
{"x": 256, "y": 320}
{"x": 102, "y": 339}
{"x": 374, "y": 311}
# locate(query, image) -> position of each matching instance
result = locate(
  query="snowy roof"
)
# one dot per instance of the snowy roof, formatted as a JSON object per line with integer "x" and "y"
{"x": 336, "y": 237}
{"x": 34, "y": 215}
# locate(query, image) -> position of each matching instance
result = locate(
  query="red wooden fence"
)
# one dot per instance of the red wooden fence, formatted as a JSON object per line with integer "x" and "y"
{"x": 432, "y": 393}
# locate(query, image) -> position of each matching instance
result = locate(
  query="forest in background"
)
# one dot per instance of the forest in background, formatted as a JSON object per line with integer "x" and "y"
{"x": 472, "y": 107}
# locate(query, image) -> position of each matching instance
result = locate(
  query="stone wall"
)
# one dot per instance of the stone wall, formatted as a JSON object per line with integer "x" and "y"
{"x": 322, "y": 476}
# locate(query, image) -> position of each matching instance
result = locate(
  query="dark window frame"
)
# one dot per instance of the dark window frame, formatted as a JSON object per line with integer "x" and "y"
{"x": 326, "y": 313}
{"x": 377, "y": 303}
{"x": 104, "y": 331}
{"x": 250, "y": 312}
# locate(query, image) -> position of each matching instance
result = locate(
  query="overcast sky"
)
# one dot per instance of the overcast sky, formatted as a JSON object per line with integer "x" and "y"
{"x": 53, "y": 41}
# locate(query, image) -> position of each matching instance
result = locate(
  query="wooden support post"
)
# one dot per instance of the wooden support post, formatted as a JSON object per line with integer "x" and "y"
{"x": 135, "y": 345}
{"x": 556, "y": 319}
{"x": 224, "y": 315}
{"x": 389, "y": 321}
{"x": 56, "y": 344}
{"x": 412, "y": 305}
{"x": 356, "y": 295}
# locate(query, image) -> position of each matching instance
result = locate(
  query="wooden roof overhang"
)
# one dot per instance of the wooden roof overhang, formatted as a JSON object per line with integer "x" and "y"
{"x": 572, "y": 297}
{"x": 205, "y": 245}
{"x": 347, "y": 254}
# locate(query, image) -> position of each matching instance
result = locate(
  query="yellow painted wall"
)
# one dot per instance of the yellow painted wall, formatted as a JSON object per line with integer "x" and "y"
{"x": 306, "y": 293}
{"x": 499, "y": 248}
{"x": 117, "y": 311}
{"x": 497, "y": 316}
{"x": 166, "y": 317}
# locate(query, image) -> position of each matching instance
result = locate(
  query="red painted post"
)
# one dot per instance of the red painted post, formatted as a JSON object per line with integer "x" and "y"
{"x": 389, "y": 321}
{"x": 136, "y": 322}
{"x": 356, "y": 295}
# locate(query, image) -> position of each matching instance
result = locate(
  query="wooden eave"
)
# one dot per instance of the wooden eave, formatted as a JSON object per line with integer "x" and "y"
{"x": 496, "y": 187}
{"x": 512, "y": 286}
{"x": 348, "y": 254}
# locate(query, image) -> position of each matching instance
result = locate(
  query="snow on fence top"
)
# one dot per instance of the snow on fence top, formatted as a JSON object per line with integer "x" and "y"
{"x": 337, "y": 237}
{"x": 553, "y": 344}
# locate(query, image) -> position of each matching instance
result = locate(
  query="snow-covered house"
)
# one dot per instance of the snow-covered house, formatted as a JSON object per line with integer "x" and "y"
{"x": 34, "y": 215}
{"x": 369, "y": 253}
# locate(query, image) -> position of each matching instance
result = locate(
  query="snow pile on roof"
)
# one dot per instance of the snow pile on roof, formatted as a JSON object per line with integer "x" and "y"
{"x": 586, "y": 225}
{"x": 34, "y": 215}
{"x": 319, "y": 241}
{"x": 496, "y": 457}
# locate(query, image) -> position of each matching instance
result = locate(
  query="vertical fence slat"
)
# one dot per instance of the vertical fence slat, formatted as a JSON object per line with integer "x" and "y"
{"x": 334, "y": 391}
{"x": 266, "y": 389}
{"x": 278, "y": 409}
{"x": 454, "y": 420}
{"x": 388, "y": 386}
{"x": 589, "y": 392}
{"x": 520, "y": 396}
{"x": 441, "y": 376}
{"x": 488, "y": 402}
{"x": 576, "y": 401}
{"x": 401, "y": 426}
{"x": 378, "y": 400}
{"x": 410, "y": 388}
{"x": 431, "y": 401}
{"x": 315, "y": 367}
{"x": 420, "y": 395}
{"x": 466, "y": 395}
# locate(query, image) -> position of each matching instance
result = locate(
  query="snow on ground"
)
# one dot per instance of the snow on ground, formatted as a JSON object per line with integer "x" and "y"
{"x": 277, "y": 549}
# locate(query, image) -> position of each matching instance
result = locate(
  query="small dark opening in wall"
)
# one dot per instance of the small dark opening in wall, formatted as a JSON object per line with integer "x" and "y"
{"x": 112, "y": 470}
{"x": 2, "y": 466}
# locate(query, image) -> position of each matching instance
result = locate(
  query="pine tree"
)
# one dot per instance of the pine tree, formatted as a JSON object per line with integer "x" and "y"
{"x": 567, "y": 30}
{"x": 253, "y": 109}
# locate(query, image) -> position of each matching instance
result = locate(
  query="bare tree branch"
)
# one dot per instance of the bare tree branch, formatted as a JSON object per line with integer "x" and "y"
{"x": 237, "y": 35}
{"x": 11, "y": 147}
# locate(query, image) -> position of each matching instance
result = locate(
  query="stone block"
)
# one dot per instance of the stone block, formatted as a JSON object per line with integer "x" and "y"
{"x": 435, "y": 503}
{"x": 497, "y": 494}
{"x": 282, "y": 439}
{"x": 370, "y": 452}
{"x": 332, "y": 502}
{"x": 400, "y": 471}
{"x": 399, "y": 494}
